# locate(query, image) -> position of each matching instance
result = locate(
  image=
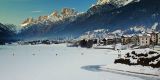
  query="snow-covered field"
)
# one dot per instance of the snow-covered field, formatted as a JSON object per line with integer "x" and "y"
{"x": 134, "y": 69}
{"x": 40, "y": 62}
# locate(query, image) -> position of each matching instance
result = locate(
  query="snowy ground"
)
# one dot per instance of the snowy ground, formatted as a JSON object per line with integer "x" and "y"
{"x": 40, "y": 62}
{"x": 145, "y": 71}
{"x": 136, "y": 69}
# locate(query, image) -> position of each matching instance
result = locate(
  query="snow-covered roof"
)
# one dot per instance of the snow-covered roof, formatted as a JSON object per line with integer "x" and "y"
{"x": 148, "y": 35}
{"x": 110, "y": 36}
{"x": 127, "y": 35}
{"x": 140, "y": 35}
{"x": 150, "y": 32}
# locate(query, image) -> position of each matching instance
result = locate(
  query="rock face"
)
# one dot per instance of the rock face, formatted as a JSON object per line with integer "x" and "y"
{"x": 42, "y": 18}
{"x": 27, "y": 22}
{"x": 54, "y": 17}
{"x": 67, "y": 12}
{"x": 111, "y": 15}
{"x": 118, "y": 3}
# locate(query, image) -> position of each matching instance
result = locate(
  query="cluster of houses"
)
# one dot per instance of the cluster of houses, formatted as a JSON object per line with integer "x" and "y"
{"x": 145, "y": 39}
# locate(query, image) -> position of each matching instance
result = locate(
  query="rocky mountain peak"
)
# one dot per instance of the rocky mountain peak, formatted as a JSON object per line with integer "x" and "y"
{"x": 27, "y": 21}
{"x": 102, "y": 1}
{"x": 54, "y": 17}
{"x": 55, "y": 14}
{"x": 66, "y": 12}
{"x": 42, "y": 18}
{"x": 117, "y": 3}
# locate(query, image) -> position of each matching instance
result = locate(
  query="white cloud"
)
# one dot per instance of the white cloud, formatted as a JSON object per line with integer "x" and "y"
{"x": 36, "y": 11}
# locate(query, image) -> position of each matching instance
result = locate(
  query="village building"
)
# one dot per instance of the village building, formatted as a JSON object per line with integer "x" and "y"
{"x": 154, "y": 37}
{"x": 118, "y": 40}
{"x": 144, "y": 39}
{"x": 158, "y": 42}
{"x": 104, "y": 41}
{"x": 134, "y": 39}
{"x": 110, "y": 39}
{"x": 126, "y": 39}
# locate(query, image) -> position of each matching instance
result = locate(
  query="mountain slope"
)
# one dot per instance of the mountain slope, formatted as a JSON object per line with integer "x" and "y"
{"x": 145, "y": 12}
{"x": 108, "y": 16}
{"x": 7, "y": 32}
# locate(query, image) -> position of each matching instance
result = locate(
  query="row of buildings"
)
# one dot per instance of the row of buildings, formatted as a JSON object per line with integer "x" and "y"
{"x": 144, "y": 39}
{"x": 102, "y": 37}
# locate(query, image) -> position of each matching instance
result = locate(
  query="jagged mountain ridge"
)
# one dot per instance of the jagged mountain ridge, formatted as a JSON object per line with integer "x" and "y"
{"x": 108, "y": 16}
{"x": 67, "y": 12}
{"x": 53, "y": 17}
{"x": 118, "y": 3}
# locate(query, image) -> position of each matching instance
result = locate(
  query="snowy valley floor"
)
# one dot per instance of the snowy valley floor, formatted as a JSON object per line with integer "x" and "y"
{"x": 58, "y": 62}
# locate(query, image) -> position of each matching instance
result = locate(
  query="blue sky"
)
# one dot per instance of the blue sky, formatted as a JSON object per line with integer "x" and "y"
{"x": 15, "y": 11}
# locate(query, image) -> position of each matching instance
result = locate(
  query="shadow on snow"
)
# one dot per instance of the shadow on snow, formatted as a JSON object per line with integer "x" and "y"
{"x": 96, "y": 68}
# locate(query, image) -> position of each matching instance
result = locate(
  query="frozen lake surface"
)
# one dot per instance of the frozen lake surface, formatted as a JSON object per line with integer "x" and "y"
{"x": 40, "y": 62}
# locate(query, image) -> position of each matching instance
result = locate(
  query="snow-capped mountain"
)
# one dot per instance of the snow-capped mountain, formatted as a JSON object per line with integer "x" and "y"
{"x": 54, "y": 17}
{"x": 122, "y": 15}
{"x": 118, "y": 3}
{"x": 67, "y": 12}
{"x": 27, "y": 22}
